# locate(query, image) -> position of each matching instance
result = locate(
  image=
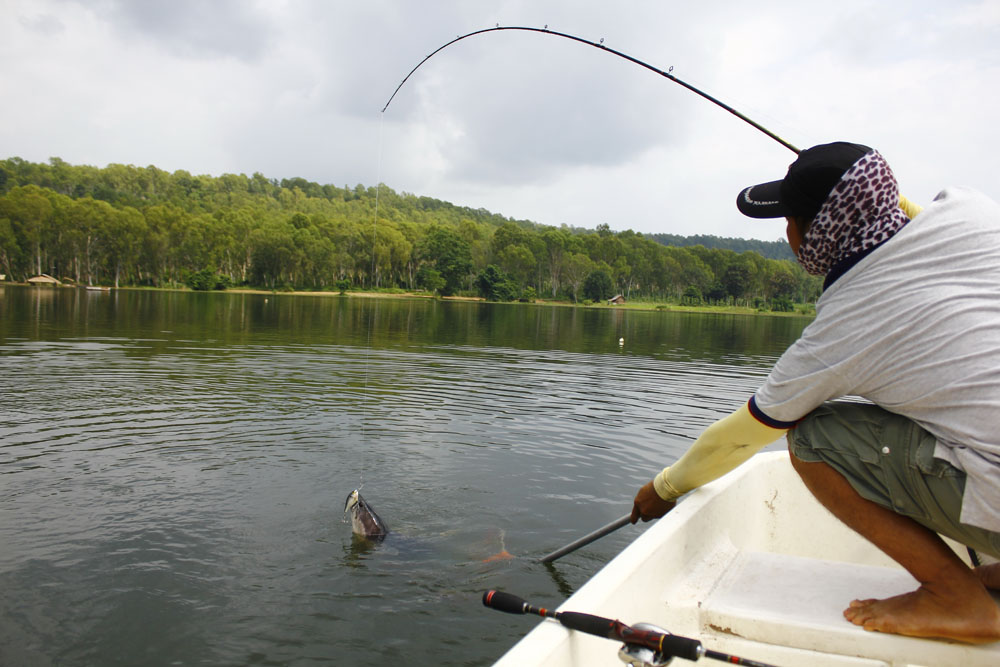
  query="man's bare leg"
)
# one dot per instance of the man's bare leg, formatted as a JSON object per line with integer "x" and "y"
{"x": 989, "y": 575}
{"x": 952, "y": 601}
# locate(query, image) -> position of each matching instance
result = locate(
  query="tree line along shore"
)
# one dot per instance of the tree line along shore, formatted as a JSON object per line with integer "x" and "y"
{"x": 128, "y": 226}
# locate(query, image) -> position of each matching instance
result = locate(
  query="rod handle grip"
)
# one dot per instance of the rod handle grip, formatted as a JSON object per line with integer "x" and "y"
{"x": 506, "y": 602}
{"x": 682, "y": 647}
{"x": 592, "y": 625}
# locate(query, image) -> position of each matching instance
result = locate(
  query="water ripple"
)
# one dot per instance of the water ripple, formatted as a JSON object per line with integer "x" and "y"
{"x": 195, "y": 484}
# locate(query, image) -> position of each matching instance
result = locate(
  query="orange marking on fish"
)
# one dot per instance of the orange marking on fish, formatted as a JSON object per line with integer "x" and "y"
{"x": 503, "y": 555}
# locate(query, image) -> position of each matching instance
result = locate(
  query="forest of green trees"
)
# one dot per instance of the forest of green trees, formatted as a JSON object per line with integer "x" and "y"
{"x": 123, "y": 225}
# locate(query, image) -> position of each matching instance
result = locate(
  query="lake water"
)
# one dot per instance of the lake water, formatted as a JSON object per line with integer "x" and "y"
{"x": 173, "y": 466}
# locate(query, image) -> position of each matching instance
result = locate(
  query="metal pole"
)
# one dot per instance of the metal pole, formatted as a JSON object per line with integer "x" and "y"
{"x": 587, "y": 539}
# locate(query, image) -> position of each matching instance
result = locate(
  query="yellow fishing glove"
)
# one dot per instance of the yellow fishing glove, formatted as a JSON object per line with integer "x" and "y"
{"x": 909, "y": 208}
{"x": 720, "y": 448}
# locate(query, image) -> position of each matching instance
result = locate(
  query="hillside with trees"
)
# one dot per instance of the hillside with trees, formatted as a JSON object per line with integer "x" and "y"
{"x": 778, "y": 249}
{"x": 142, "y": 226}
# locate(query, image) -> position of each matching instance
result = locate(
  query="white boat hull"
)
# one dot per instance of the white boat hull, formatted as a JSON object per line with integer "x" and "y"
{"x": 751, "y": 565}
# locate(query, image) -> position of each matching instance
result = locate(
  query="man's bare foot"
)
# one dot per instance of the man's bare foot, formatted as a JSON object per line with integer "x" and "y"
{"x": 989, "y": 575}
{"x": 966, "y": 613}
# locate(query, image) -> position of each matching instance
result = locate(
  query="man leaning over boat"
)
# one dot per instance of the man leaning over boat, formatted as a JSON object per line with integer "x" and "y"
{"x": 909, "y": 320}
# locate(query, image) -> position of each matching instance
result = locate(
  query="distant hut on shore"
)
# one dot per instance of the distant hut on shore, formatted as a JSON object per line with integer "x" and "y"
{"x": 44, "y": 279}
{"x": 616, "y": 300}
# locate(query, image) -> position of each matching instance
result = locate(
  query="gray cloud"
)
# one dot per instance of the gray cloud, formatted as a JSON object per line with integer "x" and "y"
{"x": 189, "y": 28}
{"x": 522, "y": 106}
{"x": 527, "y": 125}
{"x": 44, "y": 24}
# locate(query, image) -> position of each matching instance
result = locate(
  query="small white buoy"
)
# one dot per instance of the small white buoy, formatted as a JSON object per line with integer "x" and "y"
{"x": 621, "y": 341}
{"x": 885, "y": 450}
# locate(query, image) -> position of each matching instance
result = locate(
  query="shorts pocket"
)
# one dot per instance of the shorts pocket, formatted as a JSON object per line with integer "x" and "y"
{"x": 924, "y": 460}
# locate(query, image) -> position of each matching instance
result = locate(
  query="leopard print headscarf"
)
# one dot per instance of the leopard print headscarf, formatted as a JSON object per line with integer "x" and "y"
{"x": 860, "y": 212}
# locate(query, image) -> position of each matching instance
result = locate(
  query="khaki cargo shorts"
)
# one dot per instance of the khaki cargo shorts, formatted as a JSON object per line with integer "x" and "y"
{"x": 889, "y": 460}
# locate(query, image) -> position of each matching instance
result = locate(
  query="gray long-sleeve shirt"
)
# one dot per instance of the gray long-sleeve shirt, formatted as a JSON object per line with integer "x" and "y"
{"x": 915, "y": 328}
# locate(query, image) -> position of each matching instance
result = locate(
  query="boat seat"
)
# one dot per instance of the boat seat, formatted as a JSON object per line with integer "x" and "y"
{"x": 798, "y": 602}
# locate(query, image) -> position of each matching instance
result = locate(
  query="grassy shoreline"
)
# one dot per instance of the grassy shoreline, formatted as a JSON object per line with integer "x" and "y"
{"x": 641, "y": 305}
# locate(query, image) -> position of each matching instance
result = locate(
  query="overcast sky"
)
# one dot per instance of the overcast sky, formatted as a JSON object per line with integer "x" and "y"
{"x": 526, "y": 125}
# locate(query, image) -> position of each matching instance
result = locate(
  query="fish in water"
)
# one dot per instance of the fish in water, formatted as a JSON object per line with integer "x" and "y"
{"x": 364, "y": 521}
{"x": 503, "y": 554}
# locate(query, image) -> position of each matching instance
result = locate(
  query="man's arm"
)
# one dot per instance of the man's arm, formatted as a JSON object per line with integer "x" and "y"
{"x": 721, "y": 447}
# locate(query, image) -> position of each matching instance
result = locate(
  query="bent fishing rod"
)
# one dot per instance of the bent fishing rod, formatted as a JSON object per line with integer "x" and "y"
{"x": 660, "y": 646}
{"x": 600, "y": 45}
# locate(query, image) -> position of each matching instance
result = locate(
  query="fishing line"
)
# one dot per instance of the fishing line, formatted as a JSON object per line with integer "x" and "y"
{"x": 371, "y": 314}
{"x": 599, "y": 45}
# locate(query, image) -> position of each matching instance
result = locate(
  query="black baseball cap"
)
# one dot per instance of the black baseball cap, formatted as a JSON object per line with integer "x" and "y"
{"x": 805, "y": 187}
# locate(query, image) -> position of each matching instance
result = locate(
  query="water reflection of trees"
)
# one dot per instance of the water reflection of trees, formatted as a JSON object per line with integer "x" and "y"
{"x": 167, "y": 322}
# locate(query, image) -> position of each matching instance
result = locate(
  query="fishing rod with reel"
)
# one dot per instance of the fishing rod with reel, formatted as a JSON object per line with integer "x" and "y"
{"x": 600, "y": 45}
{"x": 644, "y": 644}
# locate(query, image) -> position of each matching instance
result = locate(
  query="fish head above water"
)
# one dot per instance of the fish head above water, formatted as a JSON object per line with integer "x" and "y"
{"x": 364, "y": 521}
{"x": 352, "y": 499}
